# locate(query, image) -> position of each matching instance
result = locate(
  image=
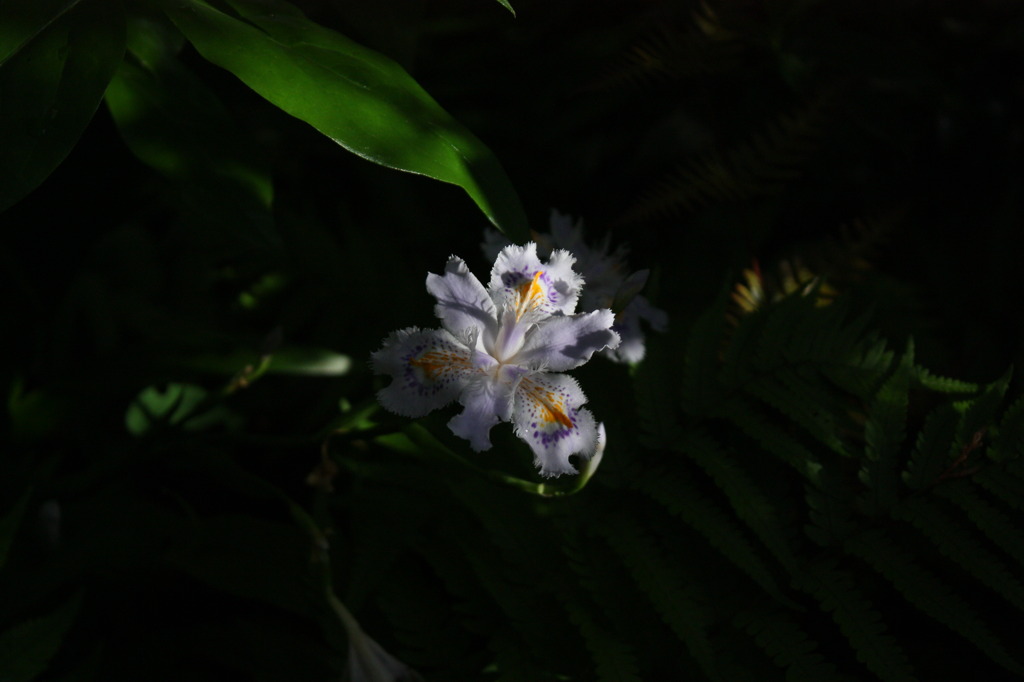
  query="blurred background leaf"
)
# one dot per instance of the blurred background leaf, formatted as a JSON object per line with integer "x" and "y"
{"x": 57, "y": 59}
{"x": 26, "y": 649}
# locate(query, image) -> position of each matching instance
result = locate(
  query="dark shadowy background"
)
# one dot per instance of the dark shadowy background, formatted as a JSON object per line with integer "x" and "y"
{"x": 877, "y": 144}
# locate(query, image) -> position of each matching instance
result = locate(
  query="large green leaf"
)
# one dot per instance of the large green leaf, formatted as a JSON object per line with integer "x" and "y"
{"x": 362, "y": 100}
{"x": 56, "y": 59}
{"x": 177, "y": 125}
{"x": 23, "y": 20}
{"x": 506, "y": 5}
{"x": 173, "y": 122}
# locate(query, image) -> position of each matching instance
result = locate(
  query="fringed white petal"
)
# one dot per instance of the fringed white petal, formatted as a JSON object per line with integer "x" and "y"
{"x": 560, "y": 342}
{"x": 520, "y": 281}
{"x": 486, "y": 402}
{"x": 429, "y": 368}
{"x": 463, "y": 305}
{"x": 548, "y": 415}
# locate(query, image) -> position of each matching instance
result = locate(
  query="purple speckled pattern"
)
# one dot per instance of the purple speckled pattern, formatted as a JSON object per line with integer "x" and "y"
{"x": 429, "y": 367}
{"x": 548, "y": 414}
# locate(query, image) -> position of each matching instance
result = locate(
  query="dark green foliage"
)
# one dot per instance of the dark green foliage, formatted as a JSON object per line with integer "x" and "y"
{"x": 856, "y": 618}
{"x": 756, "y": 167}
{"x": 786, "y": 398}
{"x": 820, "y": 481}
{"x": 790, "y": 647}
{"x": 55, "y": 62}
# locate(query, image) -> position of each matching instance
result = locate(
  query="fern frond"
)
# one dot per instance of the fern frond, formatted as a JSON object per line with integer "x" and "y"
{"x": 859, "y": 622}
{"x": 928, "y": 593}
{"x": 687, "y": 503}
{"x": 772, "y": 437}
{"x": 884, "y": 433}
{"x": 864, "y": 367}
{"x": 796, "y": 335}
{"x": 932, "y": 449}
{"x": 978, "y": 414}
{"x": 1008, "y": 440}
{"x": 925, "y": 379}
{"x": 619, "y": 613}
{"x": 759, "y": 167}
{"x": 830, "y": 506}
{"x": 885, "y": 428}
{"x": 1004, "y": 483}
{"x": 614, "y": 661}
{"x": 750, "y": 503}
{"x": 993, "y": 523}
{"x": 959, "y": 545}
{"x": 423, "y": 621}
{"x": 805, "y": 402}
{"x": 788, "y": 646}
{"x": 661, "y": 583}
{"x": 499, "y": 572}
{"x": 519, "y": 603}
{"x": 700, "y": 386}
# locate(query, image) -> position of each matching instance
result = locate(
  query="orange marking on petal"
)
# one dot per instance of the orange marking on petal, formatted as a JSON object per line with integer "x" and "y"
{"x": 554, "y": 414}
{"x": 552, "y": 408}
{"x": 435, "y": 362}
{"x": 531, "y": 294}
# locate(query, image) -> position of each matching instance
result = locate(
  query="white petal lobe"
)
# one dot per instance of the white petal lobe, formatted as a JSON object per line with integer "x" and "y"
{"x": 564, "y": 342}
{"x": 463, "y": 305}
{"x": 429, "y": 369}
{"x": 486, "y": 403}
{"x": 548, "y": 415}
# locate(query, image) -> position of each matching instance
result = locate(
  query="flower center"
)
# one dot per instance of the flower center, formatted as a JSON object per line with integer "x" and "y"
{"x": 510, "y": 337}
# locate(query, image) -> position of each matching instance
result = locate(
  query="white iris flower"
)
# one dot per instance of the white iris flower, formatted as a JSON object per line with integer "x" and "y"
{"x": 499, "y": 352}
{"x": 609, "y": 285}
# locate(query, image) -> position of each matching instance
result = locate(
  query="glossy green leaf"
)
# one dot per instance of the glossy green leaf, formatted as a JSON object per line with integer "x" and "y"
{"x": 26, "y": 649}
{"x": 362, "y": 100}
{"x": 57, "y": 61}
{"x": 23, "y": 20}
{"x": 506, "y": 5}
{"x": 174, "y": 123}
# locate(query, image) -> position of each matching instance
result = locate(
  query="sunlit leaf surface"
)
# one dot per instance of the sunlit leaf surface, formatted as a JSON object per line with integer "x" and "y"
{"x": 357, "y": 97}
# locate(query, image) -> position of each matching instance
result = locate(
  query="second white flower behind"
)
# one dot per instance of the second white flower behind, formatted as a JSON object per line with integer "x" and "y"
{"x": 499, "y": 353}
{"x": 609, "y": 283}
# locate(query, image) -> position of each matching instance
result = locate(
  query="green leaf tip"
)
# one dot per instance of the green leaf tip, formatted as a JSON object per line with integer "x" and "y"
{"x": 508, "y": 6}
{"x": 361, "y": 99}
